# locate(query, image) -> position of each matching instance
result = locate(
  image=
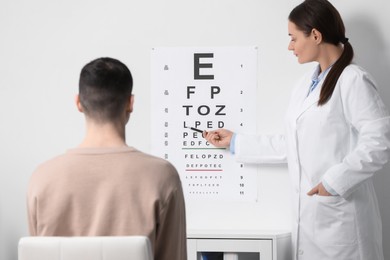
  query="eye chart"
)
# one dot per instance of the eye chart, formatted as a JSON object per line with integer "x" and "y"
{"x": 206, "y": 89}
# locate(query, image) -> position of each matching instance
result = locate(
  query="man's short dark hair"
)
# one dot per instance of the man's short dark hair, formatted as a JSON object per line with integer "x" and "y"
{"x": 104, "y": 89}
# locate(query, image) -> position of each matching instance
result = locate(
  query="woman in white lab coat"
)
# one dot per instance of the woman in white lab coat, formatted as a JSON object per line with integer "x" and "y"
{"x": 337, "y": 136}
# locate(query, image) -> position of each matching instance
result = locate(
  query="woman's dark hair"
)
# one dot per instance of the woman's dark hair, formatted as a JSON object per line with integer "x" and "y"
{"x": 104, "y": 88}
{"x": 324, "y": 17}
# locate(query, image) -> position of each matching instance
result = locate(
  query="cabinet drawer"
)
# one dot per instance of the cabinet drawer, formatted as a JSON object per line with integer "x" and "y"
{"x": 233, "y": 245}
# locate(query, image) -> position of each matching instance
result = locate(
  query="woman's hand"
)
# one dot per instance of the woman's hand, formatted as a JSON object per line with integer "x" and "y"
{"x": 219, "y": 138}
{"x": 319, "y": 190}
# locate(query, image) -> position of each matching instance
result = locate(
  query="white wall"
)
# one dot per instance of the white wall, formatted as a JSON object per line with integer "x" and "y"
{"x": 44, "y": 44}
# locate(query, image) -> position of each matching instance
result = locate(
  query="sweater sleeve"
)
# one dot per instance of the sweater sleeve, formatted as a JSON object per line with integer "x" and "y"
{"x": 171, "y": 237}
{"x": 31, "y": 212}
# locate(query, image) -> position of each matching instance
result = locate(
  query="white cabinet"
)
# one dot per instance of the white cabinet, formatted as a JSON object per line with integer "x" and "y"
{"x": 240, "y": 244}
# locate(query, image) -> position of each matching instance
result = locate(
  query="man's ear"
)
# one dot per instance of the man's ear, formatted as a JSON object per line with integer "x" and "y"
{"x": 130, "y": 104}
{"x": 78, "y": 103}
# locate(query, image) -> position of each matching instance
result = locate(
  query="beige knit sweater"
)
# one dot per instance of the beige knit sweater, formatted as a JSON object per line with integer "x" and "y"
{"x": 109, "y": 192}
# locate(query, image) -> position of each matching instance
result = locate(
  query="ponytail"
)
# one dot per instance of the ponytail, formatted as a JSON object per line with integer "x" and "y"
{"x": 335, "y": 72}
{"x": 323, "y": 16}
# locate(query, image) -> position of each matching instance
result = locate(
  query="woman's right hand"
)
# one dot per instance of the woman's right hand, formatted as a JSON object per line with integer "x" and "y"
{"x": 219, "y": 138}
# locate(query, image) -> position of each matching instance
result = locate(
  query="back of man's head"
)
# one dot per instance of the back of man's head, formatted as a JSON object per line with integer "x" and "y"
{"x": 104, "y": 89}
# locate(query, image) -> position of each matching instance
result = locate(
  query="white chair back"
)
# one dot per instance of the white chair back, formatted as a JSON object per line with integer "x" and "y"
{"x": 85, "y": 248}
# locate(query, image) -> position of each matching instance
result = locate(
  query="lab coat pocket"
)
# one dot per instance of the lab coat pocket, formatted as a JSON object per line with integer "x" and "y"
{"x": 334, "y": 221}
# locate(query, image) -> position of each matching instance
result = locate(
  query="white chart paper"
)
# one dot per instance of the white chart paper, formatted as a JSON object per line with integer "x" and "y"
{"x": 205, "y": 88}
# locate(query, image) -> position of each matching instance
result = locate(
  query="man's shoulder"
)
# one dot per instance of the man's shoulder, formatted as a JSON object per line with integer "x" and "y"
{"x": 46, "y": 172}
{"x": 129, "y": 160}
{"x": 157, "y": 173}
{"x": 51, "y": 162}
{"x": 154, "y": 163}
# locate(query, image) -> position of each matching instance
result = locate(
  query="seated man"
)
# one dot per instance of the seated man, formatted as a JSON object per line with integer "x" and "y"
{"x": 104, "y": 187}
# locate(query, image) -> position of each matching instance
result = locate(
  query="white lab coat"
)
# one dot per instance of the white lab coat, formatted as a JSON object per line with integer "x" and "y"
{"x": 343, "y": 142}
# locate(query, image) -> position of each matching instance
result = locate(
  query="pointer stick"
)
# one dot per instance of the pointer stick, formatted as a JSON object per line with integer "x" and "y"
{"x": 196, "y": 129}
